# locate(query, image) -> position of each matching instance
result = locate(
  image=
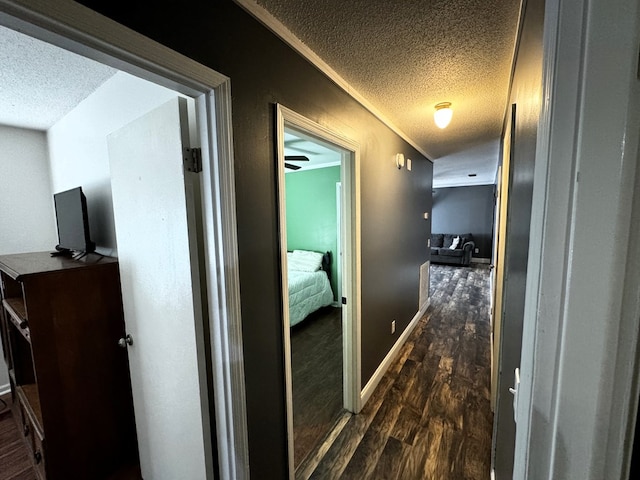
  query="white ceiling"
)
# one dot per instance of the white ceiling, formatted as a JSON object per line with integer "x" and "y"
{"x": 405, "y": 56}
{"x": 40, "y": 83}
{"x": 320, "y": 154}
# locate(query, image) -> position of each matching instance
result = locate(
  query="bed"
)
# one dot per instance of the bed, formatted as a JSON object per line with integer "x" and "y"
{"x": 309, "y": 287}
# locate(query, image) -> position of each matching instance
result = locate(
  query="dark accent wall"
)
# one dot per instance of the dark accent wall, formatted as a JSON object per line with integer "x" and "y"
{"x": 526, "y": 95}
{"x": 265, "y": 71}
{"x": 466, "y": 210}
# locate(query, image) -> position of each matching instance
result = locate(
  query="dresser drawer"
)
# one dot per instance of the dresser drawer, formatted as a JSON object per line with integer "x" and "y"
{"x": 33, "y": 438}
{"x": 39, "y": 454}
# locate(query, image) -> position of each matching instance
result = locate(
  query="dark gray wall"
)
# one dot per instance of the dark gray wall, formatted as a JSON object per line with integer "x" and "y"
{"x": 466, "y": 210}
{"x": 264, "y": 71}
{"x": 526, "y": 95}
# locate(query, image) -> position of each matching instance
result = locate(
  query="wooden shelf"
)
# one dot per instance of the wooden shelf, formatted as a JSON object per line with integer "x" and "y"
{"x": 18, "y": 315}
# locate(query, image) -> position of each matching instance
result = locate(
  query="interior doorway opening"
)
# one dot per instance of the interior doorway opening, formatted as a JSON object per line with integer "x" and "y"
{"x": 319, "y": 234}
{"x": 74, "y": 28}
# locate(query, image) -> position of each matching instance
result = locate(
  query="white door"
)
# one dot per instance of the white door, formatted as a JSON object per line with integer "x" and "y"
{"x": 161, "y": 294}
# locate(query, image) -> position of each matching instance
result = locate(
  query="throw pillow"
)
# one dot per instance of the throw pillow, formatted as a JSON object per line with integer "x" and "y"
{"x": 448, "y": 240}
{"x": 454, "y": 243}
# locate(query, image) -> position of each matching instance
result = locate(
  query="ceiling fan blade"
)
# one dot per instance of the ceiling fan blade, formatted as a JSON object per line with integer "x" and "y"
{"x": 296, "y": 158}
{"x": 291, "y": 166}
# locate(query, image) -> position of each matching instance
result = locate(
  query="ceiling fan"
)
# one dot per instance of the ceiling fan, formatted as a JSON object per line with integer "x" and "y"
{"x": 294, "y": 158}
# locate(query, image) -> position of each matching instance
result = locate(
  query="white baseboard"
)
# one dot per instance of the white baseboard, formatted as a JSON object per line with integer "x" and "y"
{"x": 6, "y": 388}
{"x": 480, "y": 260}
{"x": 391, "y": 356}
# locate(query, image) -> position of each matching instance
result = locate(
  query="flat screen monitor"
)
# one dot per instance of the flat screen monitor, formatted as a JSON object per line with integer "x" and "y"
{"x": 72, "y": 221}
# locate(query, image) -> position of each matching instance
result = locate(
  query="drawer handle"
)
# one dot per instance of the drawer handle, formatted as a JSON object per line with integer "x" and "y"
{"x": 24, "y": 324}
{"x": 26, "y": 430}
{"x": 37, "y": 456}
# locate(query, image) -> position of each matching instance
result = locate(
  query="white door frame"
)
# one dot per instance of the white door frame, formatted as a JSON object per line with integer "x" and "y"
{"x": 78, "y": 29}
{"x": 350, "y": 179}
{"x": 339, "y": 215}
{"x": 579, "y": 367}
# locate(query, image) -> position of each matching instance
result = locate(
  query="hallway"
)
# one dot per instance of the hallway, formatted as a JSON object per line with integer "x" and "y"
{"x": 429, "y": 417}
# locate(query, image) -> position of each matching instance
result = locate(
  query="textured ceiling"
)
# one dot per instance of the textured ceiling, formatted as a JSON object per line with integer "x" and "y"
{"x": 40, "y": 83}
{"x": 405, "y": 56}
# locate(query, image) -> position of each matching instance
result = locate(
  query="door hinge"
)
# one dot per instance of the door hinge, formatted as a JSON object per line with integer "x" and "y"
{"x": 344, "y": 300}
{"x": 193, "y": 160}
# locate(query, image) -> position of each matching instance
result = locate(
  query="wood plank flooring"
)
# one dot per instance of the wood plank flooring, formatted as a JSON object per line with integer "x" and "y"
{"x": 316, "y": 368}
{"x": 15, "y": 463}
{"x": 430, "y": 416}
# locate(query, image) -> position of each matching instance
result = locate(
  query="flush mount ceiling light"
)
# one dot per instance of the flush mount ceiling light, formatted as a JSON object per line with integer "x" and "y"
{"x": 442, "y": 115}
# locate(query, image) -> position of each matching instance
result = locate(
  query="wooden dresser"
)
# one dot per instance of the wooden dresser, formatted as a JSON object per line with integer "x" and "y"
{"x": 60, "y": 323}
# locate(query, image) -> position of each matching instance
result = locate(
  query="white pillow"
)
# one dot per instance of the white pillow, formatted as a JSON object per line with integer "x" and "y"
{"x": 305, "y": 261}
{"x": 454, "y": 244}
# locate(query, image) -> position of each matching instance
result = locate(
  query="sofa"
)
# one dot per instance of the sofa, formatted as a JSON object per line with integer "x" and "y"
{"x": 452, "y": 248}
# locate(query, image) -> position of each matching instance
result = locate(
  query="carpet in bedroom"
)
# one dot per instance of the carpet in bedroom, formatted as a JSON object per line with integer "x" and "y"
{"x": 316, "y": 367}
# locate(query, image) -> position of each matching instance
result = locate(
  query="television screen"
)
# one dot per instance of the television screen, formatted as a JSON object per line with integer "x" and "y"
{"x": 72, "y": 221}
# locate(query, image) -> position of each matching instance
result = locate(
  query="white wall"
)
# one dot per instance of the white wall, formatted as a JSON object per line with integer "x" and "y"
{"x": 27, "y": 221}
{"x": 34, "y": 165}
{"x": 26, "y": 206}
{"x": 78, "y": 146}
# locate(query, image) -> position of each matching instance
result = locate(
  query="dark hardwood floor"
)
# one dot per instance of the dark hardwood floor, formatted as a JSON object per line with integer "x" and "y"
{"x": 316, "y": 368}
{"x": 430, "y": 416}
{"x": 15, "y": 463}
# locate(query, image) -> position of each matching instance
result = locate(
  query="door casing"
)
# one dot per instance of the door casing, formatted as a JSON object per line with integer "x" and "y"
{"x": 78, "y": 29}
{"x": 350, "y": 232}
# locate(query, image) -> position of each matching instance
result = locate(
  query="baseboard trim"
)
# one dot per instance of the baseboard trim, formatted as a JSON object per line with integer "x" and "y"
{"x": 371, "y": 385}
{"x": 4, "y": 389}
{"x": 480, "y": 260}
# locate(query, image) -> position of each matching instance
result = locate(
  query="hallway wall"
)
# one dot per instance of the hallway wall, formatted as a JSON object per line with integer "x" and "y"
{"x": 526, "y": 94}
{"x": 265, "y": 71}
{"x": 466, "y": 209}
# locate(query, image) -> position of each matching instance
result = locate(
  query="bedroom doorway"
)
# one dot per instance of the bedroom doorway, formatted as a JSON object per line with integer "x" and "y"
{"x": 318, "y": 193}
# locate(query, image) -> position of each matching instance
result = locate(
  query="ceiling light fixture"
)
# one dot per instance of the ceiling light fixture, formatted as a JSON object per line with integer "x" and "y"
{"x": 442, "y": 115}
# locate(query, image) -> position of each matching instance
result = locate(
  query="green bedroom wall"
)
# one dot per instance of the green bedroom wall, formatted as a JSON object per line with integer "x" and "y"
{"x": 312, "y": 213}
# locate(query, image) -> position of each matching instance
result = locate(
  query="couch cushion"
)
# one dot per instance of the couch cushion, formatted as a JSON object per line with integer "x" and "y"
{"x": 434, "y": 251}
{"x": 436, "y": 240}
{"x": 447, "y": 252}
{"x": 447, "y": 240}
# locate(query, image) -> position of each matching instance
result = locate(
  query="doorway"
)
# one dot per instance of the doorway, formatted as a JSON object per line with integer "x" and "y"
{"x": 319, "y": 224}
{"x": 74, "y": 28}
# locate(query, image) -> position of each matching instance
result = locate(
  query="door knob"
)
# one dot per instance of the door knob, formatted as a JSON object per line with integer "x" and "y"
{"x": 123, "y": 342}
